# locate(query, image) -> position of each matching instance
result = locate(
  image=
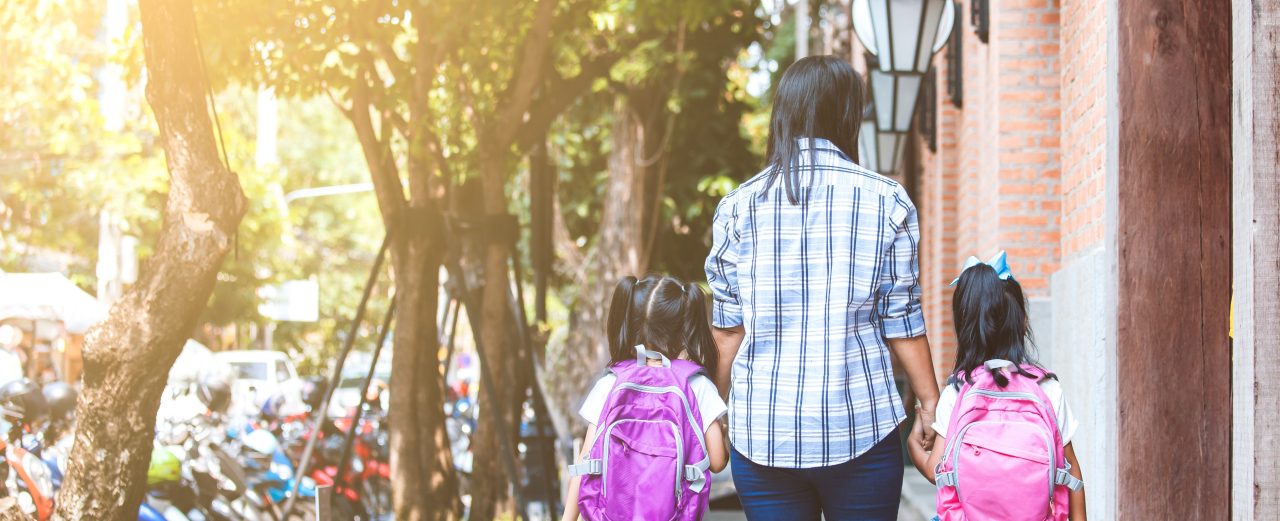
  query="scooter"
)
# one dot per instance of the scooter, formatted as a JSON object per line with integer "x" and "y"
{"x": 271, "y": 474}
{"x": 28, "y": 479}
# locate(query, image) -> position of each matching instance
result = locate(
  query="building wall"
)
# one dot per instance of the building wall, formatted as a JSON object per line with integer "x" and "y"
{"x": 993, "y": 182}
{"x": 1256, "y": 234}
{"x": 1022, "y": 166}
{"x": 937, "y": 205}
{"x": 1084, "y": 129}
{"x": 1115, "y": 226}
{"x": 1084, "y": 288}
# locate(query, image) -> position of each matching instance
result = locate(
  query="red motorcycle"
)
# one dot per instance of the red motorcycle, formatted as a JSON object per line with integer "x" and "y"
{"x": 24, "y": 475}
{"x": 364, "y": 491}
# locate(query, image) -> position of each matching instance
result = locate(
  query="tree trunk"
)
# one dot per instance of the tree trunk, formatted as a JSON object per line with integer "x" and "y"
{"x": 424, "y": 485}
{"x": 127, "y": 358}
{"x": 623, "y": 232}
{"x": 503, "y": 390}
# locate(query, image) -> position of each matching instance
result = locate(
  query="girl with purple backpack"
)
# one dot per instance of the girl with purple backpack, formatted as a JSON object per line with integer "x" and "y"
{"x": 653, "y": 437}
{"x": 1003, "y": 426}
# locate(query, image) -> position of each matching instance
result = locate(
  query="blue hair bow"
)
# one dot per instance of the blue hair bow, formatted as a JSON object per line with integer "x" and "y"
{"x": 998, "y": 262}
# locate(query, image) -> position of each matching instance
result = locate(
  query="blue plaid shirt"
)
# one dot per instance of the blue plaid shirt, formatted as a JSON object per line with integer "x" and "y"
{"x": 819, "y": 285}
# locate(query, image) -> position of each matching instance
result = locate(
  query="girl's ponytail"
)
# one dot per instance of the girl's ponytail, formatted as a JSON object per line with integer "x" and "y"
{"x": 696, "y": 330}
{"x": 618, "y": 327}
{"x": 991, "y": 323}
{"x": 998, "y": 375}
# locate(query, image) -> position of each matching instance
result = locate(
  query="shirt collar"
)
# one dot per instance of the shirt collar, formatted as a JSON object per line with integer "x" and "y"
{"x": 821, "y": 144}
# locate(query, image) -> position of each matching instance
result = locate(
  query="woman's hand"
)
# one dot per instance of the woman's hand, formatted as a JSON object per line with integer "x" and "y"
{"x": 926, "y": 414}
{"x": 917, "y": 363}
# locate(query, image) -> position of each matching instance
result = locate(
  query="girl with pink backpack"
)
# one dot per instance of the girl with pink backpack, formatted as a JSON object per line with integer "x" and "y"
{"x": 1003, "y": 446}
{"x": 653, "y": 437}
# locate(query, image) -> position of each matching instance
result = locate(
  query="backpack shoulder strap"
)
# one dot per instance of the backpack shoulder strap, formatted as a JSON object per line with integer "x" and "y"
{"x": 686, "y": 370}
{"x": 622, "y": 369}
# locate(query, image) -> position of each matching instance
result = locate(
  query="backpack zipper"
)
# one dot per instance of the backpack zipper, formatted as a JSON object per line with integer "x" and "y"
{"x": 604, "y": 465}
{"x": 688, "y": 409}
{"x": 1004, "y": 395}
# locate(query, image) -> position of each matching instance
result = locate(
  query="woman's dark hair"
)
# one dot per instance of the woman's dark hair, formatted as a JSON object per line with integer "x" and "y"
{"x": 664, "y": 314}
{"x": 991, "y": 323}
{"x": 818, "y": 97}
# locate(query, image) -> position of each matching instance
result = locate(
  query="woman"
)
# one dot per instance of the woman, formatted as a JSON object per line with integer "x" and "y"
{"x": 813, "y": 269}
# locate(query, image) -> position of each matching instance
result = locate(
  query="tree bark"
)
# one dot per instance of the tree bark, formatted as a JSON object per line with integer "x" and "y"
{"x": 503, "y": 391}
{"x": 127, "y": 357}
{"x": 424, "y": 485}
{"x": 621, "y": 250}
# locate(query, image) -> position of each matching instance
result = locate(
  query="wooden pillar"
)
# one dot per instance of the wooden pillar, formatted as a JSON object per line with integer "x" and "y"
{"x": 1256, "y": 238}
{"x": 1173, "y": 273}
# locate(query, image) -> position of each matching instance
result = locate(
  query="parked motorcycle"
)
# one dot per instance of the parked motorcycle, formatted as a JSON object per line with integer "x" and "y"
{"x": 27, "y": 478}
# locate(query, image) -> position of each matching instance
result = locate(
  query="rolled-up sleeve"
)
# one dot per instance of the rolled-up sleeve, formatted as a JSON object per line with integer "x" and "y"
{"x": 900, "y": 313}
{"x": 722, "y": 268}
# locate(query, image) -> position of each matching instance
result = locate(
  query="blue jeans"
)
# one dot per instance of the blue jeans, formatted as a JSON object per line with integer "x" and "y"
{"x": 865, "y": 489}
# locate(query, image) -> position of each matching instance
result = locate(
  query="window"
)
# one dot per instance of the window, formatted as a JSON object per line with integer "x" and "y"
{"x": 955, "y": 63}
{"x": 250, "y": 370}
{"x": 282, "y": 371}
{"x": 980, "y": 16}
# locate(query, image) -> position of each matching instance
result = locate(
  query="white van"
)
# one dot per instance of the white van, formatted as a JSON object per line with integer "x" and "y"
{"x": 259, "y": 374}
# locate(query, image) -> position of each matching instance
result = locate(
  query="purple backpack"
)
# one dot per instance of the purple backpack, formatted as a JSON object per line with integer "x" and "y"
{"x": 649, "y": 459}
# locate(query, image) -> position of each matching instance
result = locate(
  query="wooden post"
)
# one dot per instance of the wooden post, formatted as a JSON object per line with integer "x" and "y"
{"x": 324, "y": 503}
{"x": 1256, "y": 247}
{"x": 1174, "y": 276}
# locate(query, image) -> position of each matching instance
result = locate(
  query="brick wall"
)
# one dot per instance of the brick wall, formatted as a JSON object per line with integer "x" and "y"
{"x": 1084, "y": 129}
{"x": 937, "y": 204}
{"x": 1024, "y": 41}
{"x": 994, "y": 182}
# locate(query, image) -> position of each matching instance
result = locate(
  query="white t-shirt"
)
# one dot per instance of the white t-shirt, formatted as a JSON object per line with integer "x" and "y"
{"x": 1066, "y": 421}
{"x": 710, "y": 405}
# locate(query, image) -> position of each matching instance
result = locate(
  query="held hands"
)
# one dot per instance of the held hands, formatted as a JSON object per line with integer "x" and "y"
{"x": 922, "y": 431}
{"x": 920, "y": 442}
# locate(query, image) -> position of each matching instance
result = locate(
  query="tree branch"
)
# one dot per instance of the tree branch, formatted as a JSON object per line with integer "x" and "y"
{"x": 377, "y": 150}
{"x": 561, "y": 93}
{"x": 422, "y": 141}
{"x": 519, "y": 94}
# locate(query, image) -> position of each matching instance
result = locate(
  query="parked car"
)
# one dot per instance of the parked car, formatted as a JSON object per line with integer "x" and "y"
{"x": 258, "y": 375}
{"x": 347, "y": 394}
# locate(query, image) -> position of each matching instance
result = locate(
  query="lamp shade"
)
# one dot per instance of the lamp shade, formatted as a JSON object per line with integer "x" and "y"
{"x": 894, "y": 96}
{"x": 879, "y": 151}
{"x": 903, "y": 34}
{"x": 867, "y": 140}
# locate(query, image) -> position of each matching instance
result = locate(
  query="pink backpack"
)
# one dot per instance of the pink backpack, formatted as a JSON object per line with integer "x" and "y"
{"x": 649, "y": 459}
{"x": 1004, "y": 460}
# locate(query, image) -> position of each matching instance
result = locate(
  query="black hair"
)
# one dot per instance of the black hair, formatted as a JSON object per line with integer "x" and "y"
{"x": 664, "y": 314}
{"x": 818, "y": 97}
{"x": 991, "y": 323}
